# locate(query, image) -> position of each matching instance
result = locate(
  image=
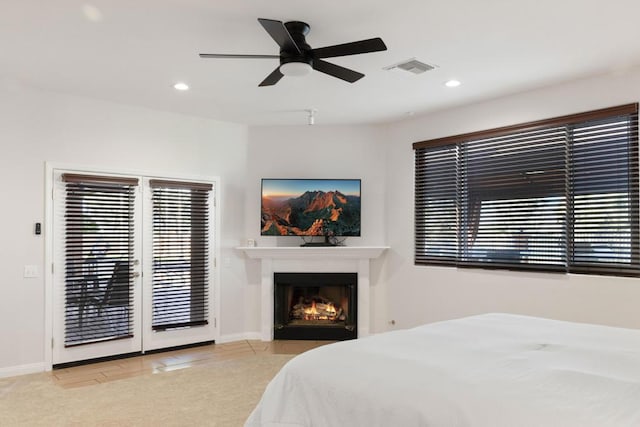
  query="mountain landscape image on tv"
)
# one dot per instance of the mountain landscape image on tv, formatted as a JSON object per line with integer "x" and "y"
{"x": 310, "y": 207}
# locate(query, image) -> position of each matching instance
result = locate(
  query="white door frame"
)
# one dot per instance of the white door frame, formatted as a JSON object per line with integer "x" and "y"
{"x": 50, "y": 167}
{"x": 109, "y": 346}
{"x": 153, "y": 340}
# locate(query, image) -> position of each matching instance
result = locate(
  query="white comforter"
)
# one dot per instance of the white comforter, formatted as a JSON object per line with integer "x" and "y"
{"x": 487, "y": 370}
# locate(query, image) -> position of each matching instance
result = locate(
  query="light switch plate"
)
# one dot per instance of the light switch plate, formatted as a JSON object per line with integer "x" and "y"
{"x": 31, "y": 271}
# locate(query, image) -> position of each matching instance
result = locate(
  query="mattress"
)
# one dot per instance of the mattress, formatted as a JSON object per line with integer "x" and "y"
{"x": 486, "y": 370}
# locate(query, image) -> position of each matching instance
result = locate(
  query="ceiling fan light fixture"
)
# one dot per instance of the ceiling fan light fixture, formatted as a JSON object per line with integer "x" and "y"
{"x": 295, "y": 69}
{"x": 297, "y": 58}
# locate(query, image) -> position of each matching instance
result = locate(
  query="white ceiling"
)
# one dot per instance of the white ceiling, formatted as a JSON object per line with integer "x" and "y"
{"x": 133, "y": 52}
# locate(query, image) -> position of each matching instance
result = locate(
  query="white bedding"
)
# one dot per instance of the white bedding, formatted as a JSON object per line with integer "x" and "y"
{"x": 486, "y": 370}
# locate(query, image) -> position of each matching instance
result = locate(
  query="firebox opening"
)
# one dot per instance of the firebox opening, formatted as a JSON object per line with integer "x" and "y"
{"x": 315, "y": 306}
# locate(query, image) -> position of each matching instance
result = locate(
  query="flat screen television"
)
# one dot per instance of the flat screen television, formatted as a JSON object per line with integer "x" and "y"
{"x": 310, "y": 207}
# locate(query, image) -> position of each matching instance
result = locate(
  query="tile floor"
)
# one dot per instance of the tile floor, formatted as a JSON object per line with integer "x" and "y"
{"x": 101, "y": 372}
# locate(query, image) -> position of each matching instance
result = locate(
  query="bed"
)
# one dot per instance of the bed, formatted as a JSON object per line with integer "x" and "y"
{"x": 486, "y": 370}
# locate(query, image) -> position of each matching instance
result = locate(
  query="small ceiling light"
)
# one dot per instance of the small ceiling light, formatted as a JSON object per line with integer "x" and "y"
{"x": 312, "y": 116}
{"x": 295, "y": 69}
{"x": 181, "y": 86}
{"x": 452, "y": 83}
{"x": 91, "y": 12}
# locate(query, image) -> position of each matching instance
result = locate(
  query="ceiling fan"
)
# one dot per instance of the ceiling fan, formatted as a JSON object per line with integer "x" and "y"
{"x": 298, "y": 58}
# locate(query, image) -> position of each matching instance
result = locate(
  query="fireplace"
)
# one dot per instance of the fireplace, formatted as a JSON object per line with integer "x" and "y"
{"x": 315, "y": 306}
{"x": 296, "y": 259}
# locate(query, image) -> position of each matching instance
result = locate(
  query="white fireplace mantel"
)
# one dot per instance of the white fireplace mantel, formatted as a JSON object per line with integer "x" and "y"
{"x": 287, "y": 259}
{"x": 303, "y": 252}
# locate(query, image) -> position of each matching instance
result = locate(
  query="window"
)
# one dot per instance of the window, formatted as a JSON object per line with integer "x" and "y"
{"x": 554, "y": 195}
{"x": 180, "y": 254}
{"x": 98, "y": 240}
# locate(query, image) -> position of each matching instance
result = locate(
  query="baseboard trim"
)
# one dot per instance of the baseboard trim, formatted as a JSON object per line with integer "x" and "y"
{"x": 32, "y": 368}
{"x": 128, "y": 355}
{"x": 13, "y": 371}
{"x": 238, "y": 337}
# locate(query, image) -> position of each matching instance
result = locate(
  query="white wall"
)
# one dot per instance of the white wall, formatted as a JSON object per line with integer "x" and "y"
{"x": 316, "y": 152}
{"x": 36, "y": 127}
{"x": 422, "y": 294}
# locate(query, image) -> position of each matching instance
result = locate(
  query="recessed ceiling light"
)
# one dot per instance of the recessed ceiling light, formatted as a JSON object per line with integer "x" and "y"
{"x": 452, "y": 83}
{"x": 92, "y": 13}
{"x": 181, "y": 86}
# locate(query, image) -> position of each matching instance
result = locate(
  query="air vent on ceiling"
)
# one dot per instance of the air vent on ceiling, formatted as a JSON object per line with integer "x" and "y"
{"x": 412, "y": 65}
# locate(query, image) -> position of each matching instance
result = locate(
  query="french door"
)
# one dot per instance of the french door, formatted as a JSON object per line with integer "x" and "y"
{"x": 132, "y": 264}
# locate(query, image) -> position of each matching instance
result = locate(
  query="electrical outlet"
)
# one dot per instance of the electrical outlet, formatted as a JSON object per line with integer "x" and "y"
{"x": 31, "y": 271}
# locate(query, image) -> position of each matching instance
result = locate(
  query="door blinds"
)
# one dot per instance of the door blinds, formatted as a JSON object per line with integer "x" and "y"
{"x": 180, "y": 254}
{"x": 554, "y": 195}
{"x": 99, "y": 233}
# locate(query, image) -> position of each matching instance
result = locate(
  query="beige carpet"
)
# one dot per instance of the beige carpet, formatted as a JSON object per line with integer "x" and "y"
{"x": 220, "y": 394}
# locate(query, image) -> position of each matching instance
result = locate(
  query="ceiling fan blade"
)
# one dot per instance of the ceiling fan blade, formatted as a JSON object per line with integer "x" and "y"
{"x": 280, "y": 34}
{"x": 272, "y": 78}
{"x": 353, "y": 48}
{"x": 337, "y": 71}
{"x": 225, "y": 55}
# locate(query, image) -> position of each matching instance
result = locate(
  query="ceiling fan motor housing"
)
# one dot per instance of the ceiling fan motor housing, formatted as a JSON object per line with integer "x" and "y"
{"x": 298, "y": 31}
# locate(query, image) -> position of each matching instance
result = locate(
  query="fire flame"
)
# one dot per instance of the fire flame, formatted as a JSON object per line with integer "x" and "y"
{"x": 312, "y": 312}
